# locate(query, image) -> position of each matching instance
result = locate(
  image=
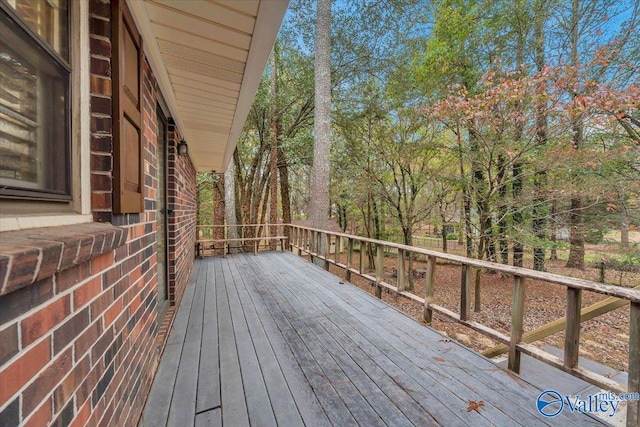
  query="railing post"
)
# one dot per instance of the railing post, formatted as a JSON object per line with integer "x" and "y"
{"x": 349, "y": 259}
{"x": 400, "y": 280}
{"x": 362, "y": 254}
{"x": 465, "y": 292}
{"x": 430, "y": 288}
{"x": 572, "y": 327}
{"x": 517, "y": 315}
{"x": 327, "y": 250}
{"x": 633, "y": 384}
{"x": 338, "y": 249}
{"x": 379, "y": 268}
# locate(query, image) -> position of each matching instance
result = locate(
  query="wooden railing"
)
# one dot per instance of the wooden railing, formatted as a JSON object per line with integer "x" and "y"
{"x": 318, "y": 244}
{"x": 219, "y": 237}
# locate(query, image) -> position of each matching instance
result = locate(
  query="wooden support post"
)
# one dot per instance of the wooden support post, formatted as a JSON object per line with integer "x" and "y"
{"x": 477, "y": 304}
{"x": 225, "y": 249}
{"x": 362, "y": 255}
{"x": 430, "y": 288}
{"x": 379, "y": 268}
{"x": 572, "y": 329}
{"x": 517, "y": 316}
{"x": 465, "y": 292}
{"x": 401, "y": 278}
{"x": 633, "y": 384}
{"x": 349, "y": 259}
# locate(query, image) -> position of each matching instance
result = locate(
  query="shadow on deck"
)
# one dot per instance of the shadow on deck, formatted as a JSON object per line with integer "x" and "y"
{"x": 275, "y": 340}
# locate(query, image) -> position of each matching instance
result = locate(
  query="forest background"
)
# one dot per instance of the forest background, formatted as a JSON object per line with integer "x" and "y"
{"x": 507, "y": 130}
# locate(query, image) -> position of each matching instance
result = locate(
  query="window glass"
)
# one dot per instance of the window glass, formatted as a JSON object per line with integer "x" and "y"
{"x": 34, "y": 116}
{"x": 47, "y": 18}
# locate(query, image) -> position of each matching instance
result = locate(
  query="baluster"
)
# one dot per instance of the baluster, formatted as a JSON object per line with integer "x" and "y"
{"x": 401, "y": 280}
{"x": 572, "y": 327}
{"x": 430, "y": 288}
{"x": 517, "y": 315}
{"x": 327, "y": 250}
{"x": 379, "y": 268}
{"x": 349, "y": 259}
{"x": 633, "y": 384}
{"x": 465, "y": 292}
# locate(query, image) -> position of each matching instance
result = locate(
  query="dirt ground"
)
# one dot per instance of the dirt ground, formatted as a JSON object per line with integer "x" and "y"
{"x": 604, "y": 339}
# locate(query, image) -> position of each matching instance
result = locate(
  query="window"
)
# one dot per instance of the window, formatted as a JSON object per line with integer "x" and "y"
{"x": 34, "y": 99}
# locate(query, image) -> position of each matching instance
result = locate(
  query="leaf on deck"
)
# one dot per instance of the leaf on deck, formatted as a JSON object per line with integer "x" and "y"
{"x": 475, "y": 406}
{"x": 439, "y": 359}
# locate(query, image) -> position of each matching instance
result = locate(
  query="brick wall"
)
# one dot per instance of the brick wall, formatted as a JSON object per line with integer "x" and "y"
{"x": 182, "y": 223}
{"x": 78, "y": 305}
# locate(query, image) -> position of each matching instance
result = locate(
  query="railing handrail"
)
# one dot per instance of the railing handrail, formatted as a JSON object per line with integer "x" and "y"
{"x": 572, "y": 282}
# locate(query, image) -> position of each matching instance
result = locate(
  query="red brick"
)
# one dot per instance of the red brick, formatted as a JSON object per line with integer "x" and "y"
{"x": 23, "y": 266}
{"x": 86, "y": 292}
{"x": 72, "y": 276}
{"x": 64, "y": 391}
{"x": 100, "y": 200}
{"x": 100, "y": 86}
{"x": 101, "y": 263}
{"x": 45, "y": 319}
{"x": 70, "y": 330}
{"x": 9, "y": 340}
{"x": 99, "y": 305}
{"x": 87, "y": 339}
{"x": 112, "y": 312}
{"x": 46, "y": 381}
{"x": 23, "y": 369}
{"x": 101, "y": 345}
{"x": 42, "y": 416}
{"x": 86, "y": 388}
{"x": 82, "y": 416}
{"x": 101, "y": 182}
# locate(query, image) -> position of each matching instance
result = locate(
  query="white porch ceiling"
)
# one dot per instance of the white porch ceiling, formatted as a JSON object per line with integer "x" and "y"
{"x": 208, "y": 57}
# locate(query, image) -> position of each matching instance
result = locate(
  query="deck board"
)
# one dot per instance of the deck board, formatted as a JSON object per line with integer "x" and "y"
{"x": 275, "y": 340}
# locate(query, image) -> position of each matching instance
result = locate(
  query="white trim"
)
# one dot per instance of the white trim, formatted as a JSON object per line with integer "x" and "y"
{"x": 262, "y": 41}
{"x": 10, "y": 223}
{"x": 81, "y": 104}
{"x": 80, "y": 134}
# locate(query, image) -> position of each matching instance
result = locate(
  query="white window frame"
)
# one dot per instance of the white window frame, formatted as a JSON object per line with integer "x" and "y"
{"x": 80, "y": 139}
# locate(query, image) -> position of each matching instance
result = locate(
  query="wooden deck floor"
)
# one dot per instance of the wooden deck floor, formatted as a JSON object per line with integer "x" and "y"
{"x": 275, "y": 340}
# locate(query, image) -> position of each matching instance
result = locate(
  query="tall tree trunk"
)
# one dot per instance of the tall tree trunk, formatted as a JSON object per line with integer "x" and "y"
{"x": 624, "y": 226}
{"x": 540, "y": 208}
{"x": 576, "y": 220}
{"x": 554, "y": 230}
{"x": 230, "y": 205}
{"x": 273, "y": 151}
{"x": 503, "y": 246}
{"x": 285, "y": 192}
{"x": 322, "y": 118}
{"x": 518, "y": 250}
{"x": 218, "y": 205}
{"x": 466, "y": 201}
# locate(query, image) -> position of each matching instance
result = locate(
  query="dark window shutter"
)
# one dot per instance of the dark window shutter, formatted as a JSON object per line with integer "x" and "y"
{"x": 127, "y": 60}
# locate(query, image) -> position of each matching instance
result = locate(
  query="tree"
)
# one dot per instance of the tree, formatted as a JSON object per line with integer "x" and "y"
{"x": 322, "y": 119}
